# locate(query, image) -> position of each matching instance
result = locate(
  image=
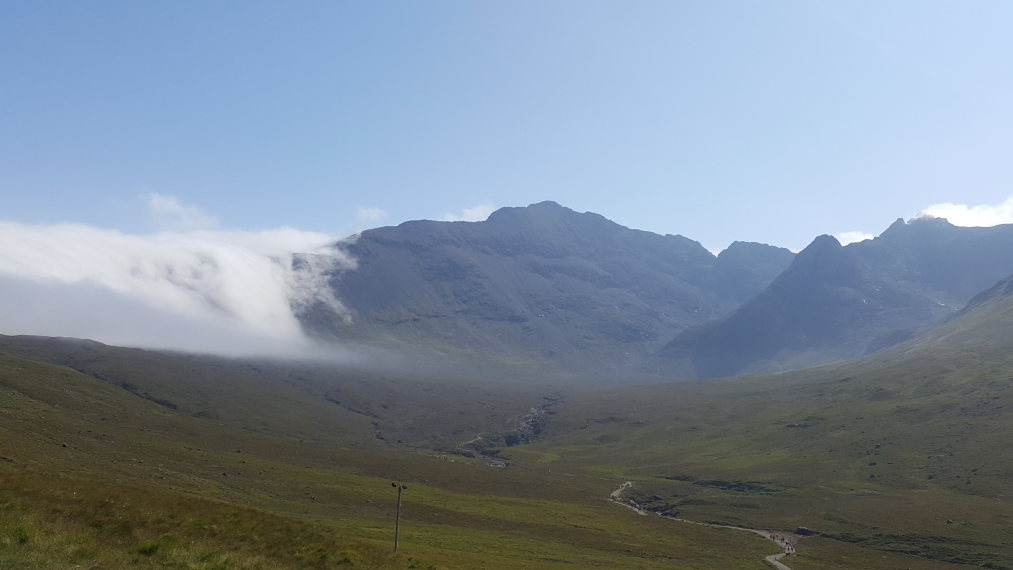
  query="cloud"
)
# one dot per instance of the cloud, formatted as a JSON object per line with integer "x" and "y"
{"x": 234, "y": 293}
{"x": 170, "y": 214}
{"x": 370, "y": 215}
{"x": 982, "y": 215}
{"x": 851, "y": 237}
{"x": 474, "y": 214}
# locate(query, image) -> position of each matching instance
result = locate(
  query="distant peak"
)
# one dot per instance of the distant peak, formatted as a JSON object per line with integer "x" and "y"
{"x": 736, "y": 246}
{"x": 825, "y": 240}
{"x": 897, "y": 225}
{"x": 547, "y": 205}
{"x": 926, "y": 220}
{"x": 822, "y": 244}
{"x": 916, "y": 225}
{"x": 546, "y": 209}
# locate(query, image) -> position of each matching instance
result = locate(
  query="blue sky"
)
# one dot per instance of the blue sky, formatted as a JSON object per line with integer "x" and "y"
{"x": 762, "y": 121}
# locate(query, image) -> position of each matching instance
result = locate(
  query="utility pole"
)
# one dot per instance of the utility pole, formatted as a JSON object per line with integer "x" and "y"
{"x": 397, "y": 520}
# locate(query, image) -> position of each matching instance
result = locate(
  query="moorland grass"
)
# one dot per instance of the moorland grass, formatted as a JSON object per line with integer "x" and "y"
{"x": 900, "y": 461}
{"x": 101, "y": 478}
{"x": 904, "y": 452}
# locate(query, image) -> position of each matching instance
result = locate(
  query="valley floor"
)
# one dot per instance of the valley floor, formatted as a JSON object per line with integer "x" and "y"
{"x": 137, "y": 460}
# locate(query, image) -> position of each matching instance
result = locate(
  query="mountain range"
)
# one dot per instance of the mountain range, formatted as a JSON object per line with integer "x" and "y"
{"x": 836, "y": 302}
{"x": 547, "y": 286}
{"x": 540, "y": 284}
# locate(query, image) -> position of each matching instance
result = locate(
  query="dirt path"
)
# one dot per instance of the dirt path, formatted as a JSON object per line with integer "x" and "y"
{"x": 773, "y": 560}
{"x": 785, "y": 540}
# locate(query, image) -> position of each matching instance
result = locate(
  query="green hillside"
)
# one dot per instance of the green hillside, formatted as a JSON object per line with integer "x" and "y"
{"x": 907, "y": 451}
{"x": 97, "y": 476}
{"x": 120, "y": 458}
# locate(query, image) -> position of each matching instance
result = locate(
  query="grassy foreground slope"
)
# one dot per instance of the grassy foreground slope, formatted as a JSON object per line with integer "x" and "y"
{"x": 114, "y": 458}
{"x": 905, "y": 452}
{"x": 98, "y": 474}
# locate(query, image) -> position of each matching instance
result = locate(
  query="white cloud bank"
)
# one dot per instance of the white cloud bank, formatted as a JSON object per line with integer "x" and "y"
{"x": 370, "y": 215}
{"x": 170, "y": 214}
{"x": 852, "y": 237}
{"x": 478, "y": 213}
{"x": 233, "y": 293}
{"x": 982, "y": 215}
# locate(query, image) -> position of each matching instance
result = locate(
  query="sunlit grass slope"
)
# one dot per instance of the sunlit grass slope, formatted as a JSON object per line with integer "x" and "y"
{"x": 100, "y": 475}
{"x": 904, "y": 452}
{"x": 119, "y": 458}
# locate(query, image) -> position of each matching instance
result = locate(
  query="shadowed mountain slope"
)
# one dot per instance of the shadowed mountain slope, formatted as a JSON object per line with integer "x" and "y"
{"x": 537, "y": 284}
{"x": 328, "y": 402}
{"x": 836, "y": 302}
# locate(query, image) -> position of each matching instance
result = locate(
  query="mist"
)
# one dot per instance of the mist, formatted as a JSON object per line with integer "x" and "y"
{"x": 218, "y": 292}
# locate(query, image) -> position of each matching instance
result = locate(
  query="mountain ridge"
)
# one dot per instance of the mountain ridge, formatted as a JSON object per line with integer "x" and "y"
{"x": 837, "y": 302}
{"x": 547, "y": 287}
{"x": 540, "y": 283}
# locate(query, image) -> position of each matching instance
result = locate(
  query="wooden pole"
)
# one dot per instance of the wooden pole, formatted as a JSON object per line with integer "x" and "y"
{"x": 397, "y": 518}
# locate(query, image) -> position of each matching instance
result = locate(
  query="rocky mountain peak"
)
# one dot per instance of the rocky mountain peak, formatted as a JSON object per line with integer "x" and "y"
{"x": 823, "y": 260}
{"x": 897, "y": 226}
{"x": 821, "y": 244}
{"x": 547, "y": 214}
{"x": 917, "y": 228}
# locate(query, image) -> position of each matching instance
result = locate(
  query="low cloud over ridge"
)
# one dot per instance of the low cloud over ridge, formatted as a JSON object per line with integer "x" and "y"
{"x": 232, "y": 293}
{"x": 982, "y": 215}
{"x": 170, "y": 214}
{"x": 478, "y": 213}
{"x": 852, "y": 237}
